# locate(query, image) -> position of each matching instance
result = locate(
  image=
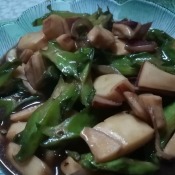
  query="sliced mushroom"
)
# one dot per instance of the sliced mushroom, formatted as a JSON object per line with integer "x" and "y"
{"x": 137, "y": 106}
{"x": 25, "y": 55}
{"x": 103, "y": 147}
{"x": 101, "y": 38}
{"x": 122, "y": 31}
{"x": 127, "y": 29}
{"x": 154, "y": 102}
{"x": 140, "y": 46}
{"x": 154, "y": 79}
{"x": 29, "y": 87}
{"x": 128, "y": 130}
{"x": 141, "y": 30}
{"x": 100, "y": 102}
{"x": 20, "y": 73}
{"x": 111, "y": 87}
{"x": 159, "y": 151}
{"x": 119, "y": 48}
{"x": 34, "y": 164}
{"x": 80, "y": 28}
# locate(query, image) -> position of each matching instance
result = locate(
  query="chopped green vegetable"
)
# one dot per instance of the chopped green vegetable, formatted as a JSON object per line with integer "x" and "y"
{"x": 159, "y": 36}
{"x": 122, "y": 165}
{"x": 169, "y": 113}
{"x": 87, "y": 89}
{"x": 68, "y": 131}
{"x": 67, "y": 62}
{"x": 49, "y": 114}
{"x": 7, "y": 82}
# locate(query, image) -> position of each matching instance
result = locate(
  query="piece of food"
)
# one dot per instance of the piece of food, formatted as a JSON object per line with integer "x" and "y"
{"x": 124, "y": 165}
{"x": 23, "y": 115}
{"x": 100, "y": 102}
{"x": 67, "y": 132}
{"x": 54, "y": 26}
{"x": 34, "y": 69}
{"x": 169, "y": 148}
{"x": 33, "y": 41}
{"x": 15, "y": 129}
{"x": 102, "y": 146}
{"x": 126, "y": 129}
{"x": 154, "y": 102}
{"x": 153, "y": 78}
{"x": 71, "y": 167}
{"x": 104, "y": 89}
{"x": 66, "y": 42}
{"x": 101, "y": 38}
{"x": 137, "y": 106}
{"x": 37, "y": 166}
{"x": 111, "y": 87}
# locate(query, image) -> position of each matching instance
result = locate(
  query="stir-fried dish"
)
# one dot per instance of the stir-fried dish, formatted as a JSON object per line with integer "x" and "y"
{"x": 88, "y": 95}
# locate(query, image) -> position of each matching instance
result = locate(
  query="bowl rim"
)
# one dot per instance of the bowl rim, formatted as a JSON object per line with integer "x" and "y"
{"x": 50, "y": 2}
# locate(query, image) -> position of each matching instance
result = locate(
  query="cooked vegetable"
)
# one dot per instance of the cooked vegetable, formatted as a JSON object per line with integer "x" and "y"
{"x": 24, "y": 114}
{"x": 15, "y": 129}
{"x": 101, "y": 38}
{"x": 33, "y": 41}
{"x": 66, "y": 42}
{"x": 169, "y": 148}
{"x": 68, "y": 132}
{"x": 102, "y": 146}
{"x": 169, "y": 113}
{"x": 154, "y": 102}
{"x": 67, "y": 62}
{"x": 49, "y": 114}
{"x": 97, "y": 18}
{"x": 54, "y": 26}
{"x": 103, "y": 88}
{"x": 70, "y": 167}
{"x": 37, "y": 166}
{"x": 137, "y": 106}
{"x": 111, "y": 87}
{"x": 155, "y": 79}
{"x": 121, "y": 165}
{"x": 136, "y": 134}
